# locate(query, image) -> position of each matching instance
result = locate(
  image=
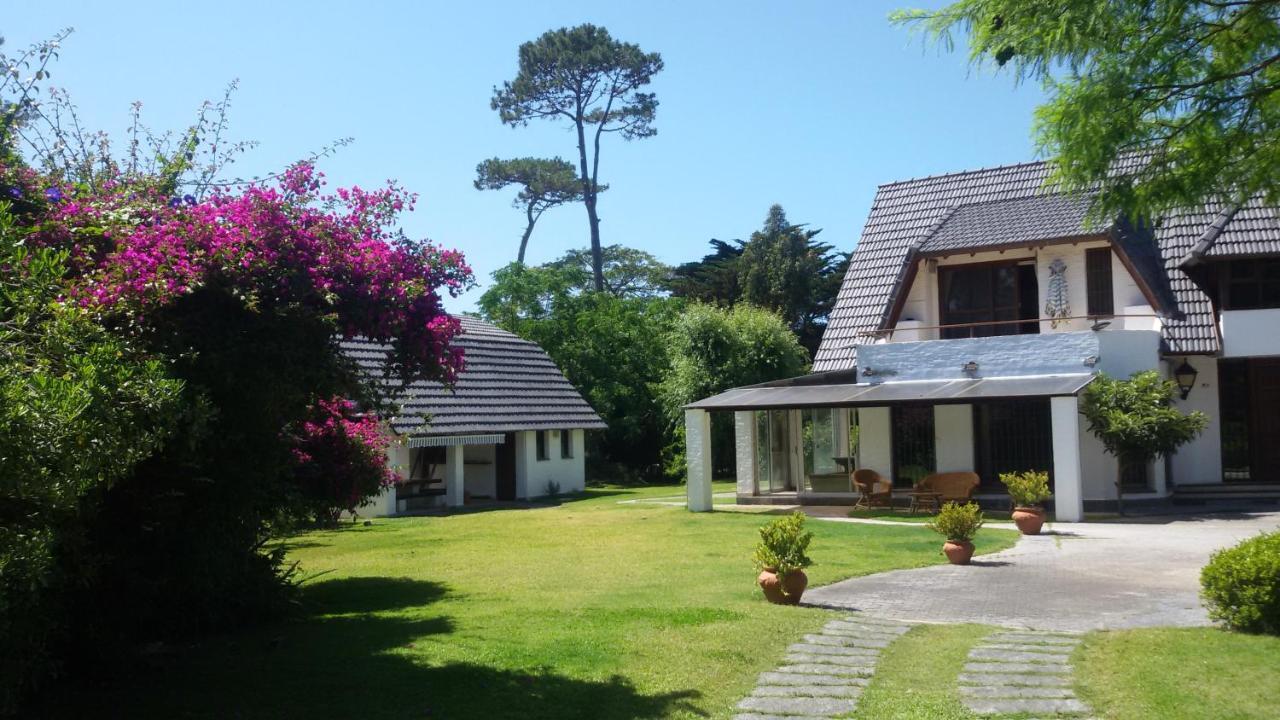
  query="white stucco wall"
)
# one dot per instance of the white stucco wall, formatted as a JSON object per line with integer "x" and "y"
{"x": 953, "y": 437}
{"x": 874, "y": 448}
{"x": 1200, "y": 461}
{"x": 570, "y": 473}
{"x": 1248, "y": 333}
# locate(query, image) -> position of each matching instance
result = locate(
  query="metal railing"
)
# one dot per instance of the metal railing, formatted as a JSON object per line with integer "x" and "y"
{"x": 1100, "y": 321}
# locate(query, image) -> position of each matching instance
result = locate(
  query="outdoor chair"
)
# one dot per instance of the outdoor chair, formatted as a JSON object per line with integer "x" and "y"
{"x": 873, "y": 490}
{"x": 939, "y": 488}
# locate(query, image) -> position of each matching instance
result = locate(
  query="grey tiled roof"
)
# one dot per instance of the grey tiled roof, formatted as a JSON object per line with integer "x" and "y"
{"x": 508, "y": 384}
{"x": 1239, "y": 231}
{"x": 1019, "y": 221}
{"x": 949, "y": 211}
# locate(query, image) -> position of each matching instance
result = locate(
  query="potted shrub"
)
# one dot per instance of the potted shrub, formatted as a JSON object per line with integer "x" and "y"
{"x": 958, "y": 524}
{"x": 780, "y": 557}
{"x": 1029, "y": 490}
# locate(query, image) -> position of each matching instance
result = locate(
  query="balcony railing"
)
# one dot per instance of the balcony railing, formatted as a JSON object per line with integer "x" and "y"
{"x": 1099, "y": 322}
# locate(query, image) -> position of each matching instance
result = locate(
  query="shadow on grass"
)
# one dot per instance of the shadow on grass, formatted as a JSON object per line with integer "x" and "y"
{"x": 361, "y": 650}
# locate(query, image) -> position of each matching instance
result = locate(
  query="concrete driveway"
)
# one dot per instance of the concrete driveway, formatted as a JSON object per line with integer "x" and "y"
{"x": 1080, "y": 576}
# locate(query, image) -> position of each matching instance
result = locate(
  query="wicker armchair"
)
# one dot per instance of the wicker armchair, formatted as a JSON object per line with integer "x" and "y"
{"x": 956, "y": 487}
{"x": 873, "y": 490}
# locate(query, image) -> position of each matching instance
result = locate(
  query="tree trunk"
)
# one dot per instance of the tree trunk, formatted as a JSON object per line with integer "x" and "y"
{"x": 528, "y": 230}
{"x": 1121, "y": 464}
{"x": 589, "y": 199}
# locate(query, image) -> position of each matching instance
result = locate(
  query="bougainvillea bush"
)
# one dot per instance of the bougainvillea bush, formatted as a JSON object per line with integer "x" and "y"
{"x": 238, "y": 299}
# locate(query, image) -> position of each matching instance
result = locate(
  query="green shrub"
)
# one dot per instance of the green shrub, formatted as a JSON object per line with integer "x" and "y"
{"x": 1028, "y": 489}
{"x": 1241, "y": 585}
{"x": 783, "y": 543}
{"x": 957, "y": 522}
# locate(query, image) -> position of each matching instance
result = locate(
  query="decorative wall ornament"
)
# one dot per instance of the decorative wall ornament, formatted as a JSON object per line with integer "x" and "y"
{"x": 1056, "y": 305}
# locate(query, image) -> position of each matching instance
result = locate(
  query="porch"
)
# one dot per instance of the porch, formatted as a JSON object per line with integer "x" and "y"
{"x": 984, "y": 405}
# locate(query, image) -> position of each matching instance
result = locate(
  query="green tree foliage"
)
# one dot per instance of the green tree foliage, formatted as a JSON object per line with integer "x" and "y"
{"x": 713, "y": 279}
{"x": 1187, "y": 86}
{"x": 628, "y": 272}
{"x": 585, "y": 77}
{"x": 712, "y": 350}
{"x": 781, "y": 267}
{"x": 610, "y": 347}
{"x": 544, "y": 184}
{"x": 79, "y": 409}
{"x": 1136, "y": 420}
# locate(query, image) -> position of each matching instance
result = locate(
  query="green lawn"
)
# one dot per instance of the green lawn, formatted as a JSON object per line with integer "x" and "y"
{"x": 592, "y": 609}
{"x": 916, "y": 676}
{"x": 1180, "y": 674}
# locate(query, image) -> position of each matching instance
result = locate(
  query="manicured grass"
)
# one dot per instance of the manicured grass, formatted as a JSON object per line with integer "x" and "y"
{"x": 916, "y": 676}
{"x": 1180, "y": 674}
{"x": 590, "y": 609}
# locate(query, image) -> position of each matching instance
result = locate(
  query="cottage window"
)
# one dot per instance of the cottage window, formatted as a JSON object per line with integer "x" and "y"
{"x": 541, "y": 441}
{"x": 819, "y": 435}
{"x": 1252, "y": 284}
{"x": 566, "y": 444}
{"x": 1097, "y": 262}
{"x": 998, "y": 293}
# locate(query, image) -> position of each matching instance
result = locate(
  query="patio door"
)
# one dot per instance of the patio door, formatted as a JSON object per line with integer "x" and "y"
{"x": 773, "y": 451}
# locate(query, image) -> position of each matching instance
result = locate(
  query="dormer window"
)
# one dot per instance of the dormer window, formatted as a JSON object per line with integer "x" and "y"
{"x": 984, "y": 299}
{"x": 1252, "y": 284}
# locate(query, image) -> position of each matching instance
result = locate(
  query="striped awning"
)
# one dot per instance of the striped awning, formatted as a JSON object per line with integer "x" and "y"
{"x": 447, "y": 440}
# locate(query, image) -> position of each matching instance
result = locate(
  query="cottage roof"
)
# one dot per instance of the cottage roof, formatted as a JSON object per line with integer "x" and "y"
{"x": 508, "y": 384}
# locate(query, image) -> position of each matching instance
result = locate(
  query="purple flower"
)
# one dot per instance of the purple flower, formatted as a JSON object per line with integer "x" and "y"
{"x": 53, "y": 194}
{"x": 15, "y": 193}
{"x": 175, "y": 202}
{"x": 189, "y": 199}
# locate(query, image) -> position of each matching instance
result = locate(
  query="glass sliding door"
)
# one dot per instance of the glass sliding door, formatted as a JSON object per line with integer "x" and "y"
{"x": 914, "y": 454}
{"x": 772, "y": 451}
{"x": 819, "y": 432}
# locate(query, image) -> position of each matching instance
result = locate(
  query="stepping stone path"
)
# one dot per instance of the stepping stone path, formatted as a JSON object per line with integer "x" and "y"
{"x": 824, "y": 674}
{"x": 1023, "y": 673}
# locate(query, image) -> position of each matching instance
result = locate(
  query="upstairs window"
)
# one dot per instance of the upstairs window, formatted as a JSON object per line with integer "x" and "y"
{"x": 541, "y": 441}
{"x": 566, "y": 444}
{"x": 998, "y": 293}
{"x": 1252, "y": 284}
{"x": 1097, "y": 273}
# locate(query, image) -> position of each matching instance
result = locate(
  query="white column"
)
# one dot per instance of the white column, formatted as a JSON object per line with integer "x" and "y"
{"x": 875, "y": 440}
{"x": 454, "y": 466}
{"x": 1068, "y": 491}
{"x": 697, "y": 449}
{"x": 744, "y": 443}
{"x": 953, "y": 437}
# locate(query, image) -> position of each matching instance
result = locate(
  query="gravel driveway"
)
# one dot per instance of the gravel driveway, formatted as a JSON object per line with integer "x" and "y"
{"x": 1079, "y": 576}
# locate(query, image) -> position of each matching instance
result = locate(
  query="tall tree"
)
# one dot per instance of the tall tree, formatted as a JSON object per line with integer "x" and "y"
{"x": 544, "y": 183}
{"x": 1159, "y": 103}
{"x": 584, "y": 76}
{"x": 713, "y": 279}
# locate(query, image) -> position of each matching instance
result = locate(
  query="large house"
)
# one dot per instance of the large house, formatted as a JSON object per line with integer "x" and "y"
{"x": 976, "y": 308}
{"x": 511, "y": 428}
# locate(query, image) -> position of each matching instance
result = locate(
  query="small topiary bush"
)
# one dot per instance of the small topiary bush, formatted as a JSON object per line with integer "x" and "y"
{"x": 1028, "y": 489}
{"x": 957, "y": 522}
{"x": 1241, "y": 585}
{"x": 783, "y": 544}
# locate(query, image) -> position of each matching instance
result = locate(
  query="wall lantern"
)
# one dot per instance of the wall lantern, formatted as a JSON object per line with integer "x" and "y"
{"x": 970, "y": 367}
{"x": 1185, "y": 375}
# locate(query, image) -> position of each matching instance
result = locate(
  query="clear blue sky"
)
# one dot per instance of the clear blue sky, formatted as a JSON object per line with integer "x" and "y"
{"x": 807, "y": 104}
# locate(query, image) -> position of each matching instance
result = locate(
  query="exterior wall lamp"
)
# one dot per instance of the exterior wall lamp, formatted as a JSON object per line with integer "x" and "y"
{"x": 970, "y": 367}
{"x": 1185, "y": 375}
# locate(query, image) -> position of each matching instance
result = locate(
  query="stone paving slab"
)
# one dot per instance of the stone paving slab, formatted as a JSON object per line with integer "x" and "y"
{"x": 1017, "y": 691}
{"x": 1017, "y": 656}
{"x": 999, "y": 667}
{"x": 799, "y": 706}
{"x": 1032, "y": 647}
{"x": 1038, "y": 638}
{"x": 758, "y": 716}
{"x": 1013, "y": 680}
{"x": 845, "y": 691}
{"x": 864, "y": 671}
{"x": 847, "y": 641}
{"x": 1021, "y": 707}
{"x": 813, "y": 649}
{"x": 786, "y": 678}
{"x": 853, "y": 623}
{"x": 808, "y": 659}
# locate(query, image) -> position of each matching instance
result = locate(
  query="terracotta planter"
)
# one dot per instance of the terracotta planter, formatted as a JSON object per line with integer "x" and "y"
{"x": 1028, "y": 519}
{"x": 959, "y": 552}
{"x": 794, "y": 584}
